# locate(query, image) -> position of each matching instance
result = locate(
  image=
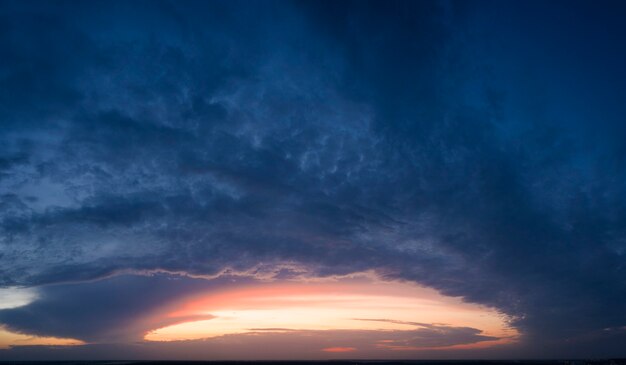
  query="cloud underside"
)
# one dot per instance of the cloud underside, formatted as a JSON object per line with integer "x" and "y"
{"x": 312, "y": 139}
{"x": 104, "y": 316}
{"x": 272, "y": 344}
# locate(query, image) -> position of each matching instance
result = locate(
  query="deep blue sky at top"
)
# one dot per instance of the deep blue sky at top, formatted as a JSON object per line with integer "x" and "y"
{"x": 476, "y": 147}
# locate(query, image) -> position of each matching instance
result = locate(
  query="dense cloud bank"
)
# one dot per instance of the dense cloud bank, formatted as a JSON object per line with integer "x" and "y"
{"x": 473, "y": 147}
{"x": 140, "y": 304}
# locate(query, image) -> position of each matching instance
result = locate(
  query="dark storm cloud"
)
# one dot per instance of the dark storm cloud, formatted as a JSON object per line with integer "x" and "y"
{"x": 119, "y": 309}
{"x": 427, "y": 141}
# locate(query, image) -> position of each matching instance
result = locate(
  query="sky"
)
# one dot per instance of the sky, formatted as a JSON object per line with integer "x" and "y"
{"x": 304, "y": 179}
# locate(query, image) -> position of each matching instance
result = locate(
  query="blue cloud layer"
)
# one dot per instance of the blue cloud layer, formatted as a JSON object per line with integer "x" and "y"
{"x": 430, "y": 142}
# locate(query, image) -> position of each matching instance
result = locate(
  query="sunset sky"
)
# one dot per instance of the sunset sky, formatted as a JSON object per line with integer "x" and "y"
{"x": 209, "y": 180}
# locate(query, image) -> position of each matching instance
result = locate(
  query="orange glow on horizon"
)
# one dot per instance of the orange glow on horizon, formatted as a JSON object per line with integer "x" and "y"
{"x": 339, "y": 349}
{"x": 9, "y": 339}
{"x": 340, "y": 304}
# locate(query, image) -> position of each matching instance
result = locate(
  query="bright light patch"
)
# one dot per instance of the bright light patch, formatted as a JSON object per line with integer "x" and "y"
{"x": 14, "y": 297}
{"x": 348, "y": 304}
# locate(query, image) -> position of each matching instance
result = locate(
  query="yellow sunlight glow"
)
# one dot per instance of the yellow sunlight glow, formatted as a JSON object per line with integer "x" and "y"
{"x": 9, "y": 339}
{"x": 333, "y": 305}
